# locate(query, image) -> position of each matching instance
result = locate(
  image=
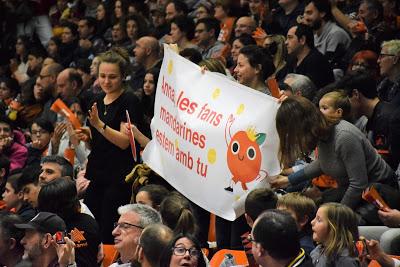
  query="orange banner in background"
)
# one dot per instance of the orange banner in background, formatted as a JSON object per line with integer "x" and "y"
{"x": 62, "y": 109}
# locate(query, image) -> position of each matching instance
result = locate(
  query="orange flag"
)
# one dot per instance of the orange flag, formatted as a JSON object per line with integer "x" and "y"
{"x": 62, "y": 109}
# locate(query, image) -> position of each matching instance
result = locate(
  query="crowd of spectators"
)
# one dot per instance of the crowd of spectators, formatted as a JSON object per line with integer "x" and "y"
{"x": 62, "y": 181}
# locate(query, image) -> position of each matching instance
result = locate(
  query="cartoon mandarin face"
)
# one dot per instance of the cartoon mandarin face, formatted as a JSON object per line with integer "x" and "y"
{"x": 244, "y": 156}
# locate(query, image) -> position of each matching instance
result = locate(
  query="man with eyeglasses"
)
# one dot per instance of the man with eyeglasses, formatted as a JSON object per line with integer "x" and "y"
{"x": 275, "y": 241}
{"x": 133, "y": 219}
{"x": 389, "y": 63}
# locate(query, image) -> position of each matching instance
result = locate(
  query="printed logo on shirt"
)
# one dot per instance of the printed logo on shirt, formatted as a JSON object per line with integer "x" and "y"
{"x": 78, "y": 238}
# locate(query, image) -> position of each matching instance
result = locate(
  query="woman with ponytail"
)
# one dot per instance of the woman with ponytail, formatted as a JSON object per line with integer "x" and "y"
{"x": 177, "y": 214}
{"x": 111, "y": 157}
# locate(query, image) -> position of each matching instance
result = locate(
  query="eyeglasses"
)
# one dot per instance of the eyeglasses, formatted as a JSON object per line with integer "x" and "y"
{"x": 126, "y": 226}
{"x": 181, "y": 251}
{"x": 39, "y": 132}
{"x": 386, "y": 55}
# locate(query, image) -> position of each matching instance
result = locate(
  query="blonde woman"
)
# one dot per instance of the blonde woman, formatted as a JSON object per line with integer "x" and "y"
{"x": 276, "y": 47}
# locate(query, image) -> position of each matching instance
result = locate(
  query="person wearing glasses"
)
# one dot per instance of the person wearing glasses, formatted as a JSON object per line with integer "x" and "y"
{"x": 183, "y": 250}
{"x": 389, "y": 64}
{"x": 133, "y": 219}
{"x": 41, "y": 132}
{"x": 275, "y": 241}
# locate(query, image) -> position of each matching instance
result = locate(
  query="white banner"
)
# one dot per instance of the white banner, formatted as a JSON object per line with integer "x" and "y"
{"x": 213, "y": 139}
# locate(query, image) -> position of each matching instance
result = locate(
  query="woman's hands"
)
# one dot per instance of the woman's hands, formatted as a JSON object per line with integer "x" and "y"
{"x": 280, "y": 181}
{"x": 94, "y": 117}
{"x": 73, "y": 139}
{"x": 58, "y": 133}
{"x": 84, "y": 134}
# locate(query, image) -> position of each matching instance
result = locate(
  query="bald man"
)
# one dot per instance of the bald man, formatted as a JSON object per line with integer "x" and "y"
{"x": 245, "y": 25}
{"x": 147, "y": 55}
{"x": 147, "y": 52}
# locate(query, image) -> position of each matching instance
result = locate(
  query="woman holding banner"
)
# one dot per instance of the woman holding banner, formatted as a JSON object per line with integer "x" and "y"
{"x": 344, "y": 153}
{"x": 110, "y": 158}
{"x": 254, "y": 67}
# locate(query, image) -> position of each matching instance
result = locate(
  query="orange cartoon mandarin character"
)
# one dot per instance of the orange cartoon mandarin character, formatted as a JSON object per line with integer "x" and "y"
{"x": 244, "y": 155}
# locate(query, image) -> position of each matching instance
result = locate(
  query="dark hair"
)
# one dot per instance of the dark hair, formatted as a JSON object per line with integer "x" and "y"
{"x": 8, "y": 230}
{"x": 26, "y": 41}
{"x": 277, "y": 233}
{"x": 211, "y": 24}
{"x": 140, "y": 23}
{"x": 177, "y": 214}
{"x": 156, "y": 192}
{"x": 91, "y": 22}
{"x": 37, "y": 52}
{"x": 225, "y": 4}
{"x": 5, "y": 164}
{"x": 124, "y": 10}
{"x": 154, "y": 240}
{"x": 245, "y": 39}
{"x": 44, "y": 124}
{"x": 192, "y": 54}
{"x": 72, "y": 26}
{"x": 168, "y": 251}
{"x": 184, "y": 24}
{"x": 307, "y": 32}
{"x": 322, "y": 6}
{"x": 360, "y": 80}
{"x": 258, "y": 201}
{"x": 180, "y": 6}
{"x": 83, "y": 64}
{"x": 155, "y": 72}
{"x": 11, "y": 84}
{"x": 30, "y": 175}
{"x": 300, "y": 126}
{"x": 6, "y": 120}
{"x": 56, "y": 40}
{"x": 74, "y": 76}
{"x": 60, "y": 197}
{"x": 66, "y": 167}
{"x": 13, "y": 181}
{"x": 257, "y": 57}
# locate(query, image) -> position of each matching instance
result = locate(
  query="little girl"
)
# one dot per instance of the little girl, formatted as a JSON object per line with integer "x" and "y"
{"x": 335, "y": 230}
{"x": 335, "y": 106}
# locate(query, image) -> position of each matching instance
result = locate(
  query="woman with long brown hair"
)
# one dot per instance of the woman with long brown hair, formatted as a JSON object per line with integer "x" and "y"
{"x": 344, "y": 152}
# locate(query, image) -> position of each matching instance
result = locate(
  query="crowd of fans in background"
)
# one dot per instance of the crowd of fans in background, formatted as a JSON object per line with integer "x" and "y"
{"x": 336, "y": 61}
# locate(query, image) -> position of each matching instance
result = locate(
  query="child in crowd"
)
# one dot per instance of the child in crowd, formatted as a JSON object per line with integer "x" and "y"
{"x": 257, "y": 201}
{"x": 335, "y": 106}
{"x": 41, "y": 132}
{"x": 335, "y": 230}
{"x": 302, "y": 210}
{"x": 14, "y": 199}
{"x": 152, "y": 195}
